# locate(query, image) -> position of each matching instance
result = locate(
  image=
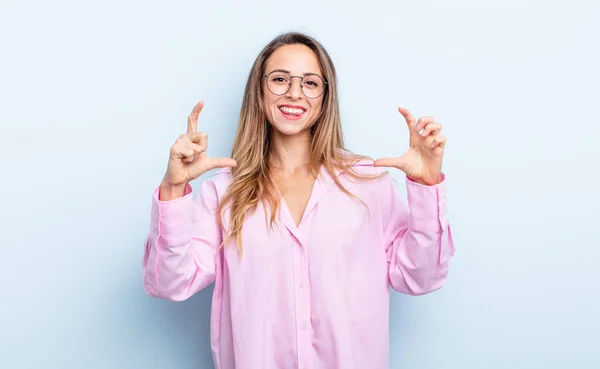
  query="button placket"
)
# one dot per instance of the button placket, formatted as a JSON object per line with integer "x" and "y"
{"x": 302, "y": 303}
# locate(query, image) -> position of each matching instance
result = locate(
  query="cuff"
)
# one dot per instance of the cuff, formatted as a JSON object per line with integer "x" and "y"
{"x": 172, "y": 220}
{"x": 427, "y": 205}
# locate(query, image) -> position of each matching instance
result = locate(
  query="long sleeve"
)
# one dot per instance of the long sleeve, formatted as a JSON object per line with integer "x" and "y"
{"x": 418, "y": 239}
{"x": 182, "y": 244}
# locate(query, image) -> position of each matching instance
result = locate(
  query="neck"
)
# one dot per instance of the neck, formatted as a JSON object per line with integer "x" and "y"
{"x": 290, "y": 153}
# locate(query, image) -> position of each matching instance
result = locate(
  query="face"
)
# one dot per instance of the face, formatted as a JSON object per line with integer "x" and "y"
{"x": 292, "y": 112}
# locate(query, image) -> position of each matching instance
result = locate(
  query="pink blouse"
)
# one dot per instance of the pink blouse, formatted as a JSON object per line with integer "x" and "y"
{"x": 314, "y": 296}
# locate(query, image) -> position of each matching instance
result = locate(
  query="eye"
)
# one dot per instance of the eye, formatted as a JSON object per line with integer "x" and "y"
{"x": 311, "y": 83}
{"x": 279, "y": 79}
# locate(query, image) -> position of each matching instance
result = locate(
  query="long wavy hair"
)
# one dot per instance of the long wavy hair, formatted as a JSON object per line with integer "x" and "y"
{"x": 251, "y": 178}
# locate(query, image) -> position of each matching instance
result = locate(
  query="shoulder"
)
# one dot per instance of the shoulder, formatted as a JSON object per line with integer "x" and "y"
{"x": 215, "y": 183}
{"x": 361, "y": 165}
{"x": 361, "y": 174}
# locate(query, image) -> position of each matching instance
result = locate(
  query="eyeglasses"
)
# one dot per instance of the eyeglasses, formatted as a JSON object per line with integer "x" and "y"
{"x": 279, "y": 83}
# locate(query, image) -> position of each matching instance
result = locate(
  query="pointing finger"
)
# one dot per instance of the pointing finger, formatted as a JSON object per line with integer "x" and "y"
{"x": 193, "y": 118}
{"x": 410, "y": 120}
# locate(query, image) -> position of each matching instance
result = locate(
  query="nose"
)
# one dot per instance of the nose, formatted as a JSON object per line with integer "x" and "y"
{"x": 295, "y": 91}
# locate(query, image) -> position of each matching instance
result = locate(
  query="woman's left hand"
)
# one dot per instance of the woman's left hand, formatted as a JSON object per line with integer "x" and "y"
{"x": 423, "y": 161}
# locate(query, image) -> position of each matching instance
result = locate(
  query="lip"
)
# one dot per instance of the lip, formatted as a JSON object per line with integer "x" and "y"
{"x": 292, "y": 116}
{"x": 292, "y": 106}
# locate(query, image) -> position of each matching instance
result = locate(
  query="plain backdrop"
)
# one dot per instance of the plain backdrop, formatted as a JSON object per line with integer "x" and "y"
{"x": 92, "y": 95}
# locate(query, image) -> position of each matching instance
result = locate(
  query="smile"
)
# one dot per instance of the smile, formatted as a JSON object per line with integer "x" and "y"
{"x": 291, "y": 111}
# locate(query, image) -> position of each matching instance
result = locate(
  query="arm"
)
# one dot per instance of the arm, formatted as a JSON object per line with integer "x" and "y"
{"x": 181, "y": 247}
{"x": 418, "y": 240}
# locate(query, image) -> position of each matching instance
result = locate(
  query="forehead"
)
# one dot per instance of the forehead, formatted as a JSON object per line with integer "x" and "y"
{"x": 298, "y": 59}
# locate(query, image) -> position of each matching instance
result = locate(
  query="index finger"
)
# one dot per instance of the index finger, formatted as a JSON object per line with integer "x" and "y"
{"x": 410, "y": 120}
{"x": 193, "y": 118}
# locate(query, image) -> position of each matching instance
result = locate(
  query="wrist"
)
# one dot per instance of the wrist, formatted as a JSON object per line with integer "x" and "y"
{"x": 169, "y": 191}
{"x": 426, "y": 182}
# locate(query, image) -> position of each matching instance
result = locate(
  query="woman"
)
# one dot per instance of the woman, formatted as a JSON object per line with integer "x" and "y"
{"x": 301, "y": 238}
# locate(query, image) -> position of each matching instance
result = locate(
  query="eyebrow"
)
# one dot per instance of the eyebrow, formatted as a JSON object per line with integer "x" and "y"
{"x": 288, "y": 72}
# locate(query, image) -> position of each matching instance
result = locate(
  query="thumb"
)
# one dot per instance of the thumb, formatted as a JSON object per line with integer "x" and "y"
{"x": 386, "y": 162}
{"x": 399, "y": 163}
{"x": 409, "y": 118}
{"x": 221, "y": 163}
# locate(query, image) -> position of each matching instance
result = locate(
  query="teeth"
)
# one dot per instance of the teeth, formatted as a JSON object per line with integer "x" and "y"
{"x": 287, "y": 110}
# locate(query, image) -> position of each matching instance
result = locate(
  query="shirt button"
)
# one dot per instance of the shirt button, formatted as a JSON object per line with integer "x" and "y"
{"x": 303, "y": 326}
{"x": 301, "y": 285}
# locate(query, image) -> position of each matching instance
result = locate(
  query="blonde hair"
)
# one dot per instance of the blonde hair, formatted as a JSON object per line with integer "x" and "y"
{"x": 251, "y": 178}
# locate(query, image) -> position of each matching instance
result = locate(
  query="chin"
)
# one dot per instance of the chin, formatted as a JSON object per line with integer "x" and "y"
{"x": 289, "y": 128}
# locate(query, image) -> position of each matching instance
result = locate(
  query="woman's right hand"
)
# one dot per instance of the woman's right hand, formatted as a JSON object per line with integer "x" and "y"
{"x": 188, "y": 160}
